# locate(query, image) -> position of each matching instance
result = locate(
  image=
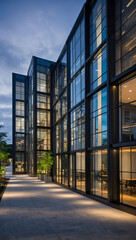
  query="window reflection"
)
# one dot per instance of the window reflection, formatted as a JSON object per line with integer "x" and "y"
{"x": 77, "y": 51}
{"x": 127, "y": 110}
{"x": 43, "y": 139}
{"x": 77, "y": 89}
{"x": 99, "y": 174}
{"x": 98, "y": 118}
{"x": 125, "y": 35}
{"x": 97, "y": 25}
{"x": 99, "y": 68}
{"x": 78, "y": 128}
{"x": 128, "y": 176}
{"x": 80, "y": 171}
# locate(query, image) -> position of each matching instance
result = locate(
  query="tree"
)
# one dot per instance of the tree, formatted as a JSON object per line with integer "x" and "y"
{"x": 3, "y": 153}
{"x": 45, "y": 163}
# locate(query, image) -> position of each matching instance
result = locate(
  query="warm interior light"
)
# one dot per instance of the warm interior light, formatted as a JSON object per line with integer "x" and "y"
{"x": 128, "y": 97}
{"x": 130, "y": 90}
{"x": 125, "y": 86}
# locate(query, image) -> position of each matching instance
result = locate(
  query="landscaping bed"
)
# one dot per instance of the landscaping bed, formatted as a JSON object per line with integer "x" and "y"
{"x": 4, "y": 182}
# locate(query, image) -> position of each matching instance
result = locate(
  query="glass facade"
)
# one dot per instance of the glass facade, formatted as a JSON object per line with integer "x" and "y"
{"x": 77, "y": 49}
{"x": 125, "y": 27}
{"x": 97, "y": 25}
{"x": 127, "y": 110}
{"x": 77, "y": 89}
{"x": 127, "y": 160}
{"x": 98, "y": 118}
{"x": 19, "y": 165}
{"x": 78, "y": 128}
{"x": 81, "y": 108}
{"x": 99, "y": 173}
{"x": 98, "y": 68}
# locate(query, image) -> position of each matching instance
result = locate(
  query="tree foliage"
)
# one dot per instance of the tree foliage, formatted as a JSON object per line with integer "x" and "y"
{"x": 45, "y": 163}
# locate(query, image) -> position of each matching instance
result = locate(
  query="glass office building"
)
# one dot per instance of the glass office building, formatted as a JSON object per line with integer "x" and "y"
{"x": 83, "y": 107}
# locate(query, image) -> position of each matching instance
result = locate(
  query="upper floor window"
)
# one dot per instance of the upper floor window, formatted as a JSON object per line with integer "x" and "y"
{"x": 77, "y": 49}
{"x": 98, "y": 73}
{"x": 77, "y": 89}
{"x": 97, "y": 25}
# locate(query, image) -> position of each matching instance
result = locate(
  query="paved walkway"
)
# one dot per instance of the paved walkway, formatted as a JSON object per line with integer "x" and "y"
{"x": 33, "y": 210}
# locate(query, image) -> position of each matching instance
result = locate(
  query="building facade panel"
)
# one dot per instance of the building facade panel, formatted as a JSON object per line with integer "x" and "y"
{"x": 82, "y": 107}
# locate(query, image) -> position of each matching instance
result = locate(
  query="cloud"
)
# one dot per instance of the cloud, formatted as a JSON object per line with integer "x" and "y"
{"x": 30, "y": 28}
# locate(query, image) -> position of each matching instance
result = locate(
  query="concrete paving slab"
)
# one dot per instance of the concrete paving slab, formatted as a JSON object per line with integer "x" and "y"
{"x": 33, "y": 210}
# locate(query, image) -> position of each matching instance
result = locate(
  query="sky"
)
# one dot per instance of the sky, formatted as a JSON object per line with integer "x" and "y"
{"x": 30, "y": 28}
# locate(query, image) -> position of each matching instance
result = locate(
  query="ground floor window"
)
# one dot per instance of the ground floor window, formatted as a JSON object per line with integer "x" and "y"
{"x": 80, "y": 171}
{"x": 99, "y": 175}
{"x": 127, "y": 160}
{"x": 65, "y": 170}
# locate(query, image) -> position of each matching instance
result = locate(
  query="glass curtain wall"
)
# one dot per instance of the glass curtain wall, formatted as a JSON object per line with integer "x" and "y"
{"x": 98, "y": 118}
{"x": 43, "y": 108}
{"x": 20, "y": 124}
{"x": 127, "y": 110}
{"x": 60, "y": 120}
{"x": 127, "y": 159}
{"x": 80, "y": 171}
{"x": 99, "y": 173}
{"x": 125, "y": 35}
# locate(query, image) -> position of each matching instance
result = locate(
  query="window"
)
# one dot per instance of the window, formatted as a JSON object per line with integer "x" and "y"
{"x": 65, "y": 170}
{"x": 43, "y": 118}
{"x": 58, "y": 169}
{"x": 20, "y": 91}
{"x": 43, "y": 139}
{"x": 77, "y": 89}
{"x": 98, "y": 118}
{"x": 97, "y": 25}
{"x": 125, "y": 27}
{"x": 127, "y": 159}
{"x": 127, "y": 110}
{"x": 99, "y": 68}
{"x": 64, "y": 135}
{"x": 43, "y": 101}
{"x": 80, "y": 171}
{"x": 19, "y": 162}
{"x": 20, "y": 124}
{"x": 99, "y": 174}
{"x": 78, "y": 128}
{"x": 20, "y": 111}
{"x": 43, "y": 79}
{"x": 20, "y": 139}
{"x": 62, "y": 72}
{"x": 77, "y": 49}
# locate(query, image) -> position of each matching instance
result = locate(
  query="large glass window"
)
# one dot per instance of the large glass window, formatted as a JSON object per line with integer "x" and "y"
{"x": 19, "y": 162}
{"x": 77, "y": 89}
{"x": 125, "y": 26}
{"x": 78, "y": 128}
{"x": 127, "y": 110}
{"x": 58, "y": 169}
{"x": 65, "y": 170}
{"x": 43, "y": 79}
{"x": 80, "y": 171}
{"x": 99, "y": 175}
{"x": 43, "y": 118}
{"x": 97, "y": 25}
{"x": 98, "y": 118}
{"x": 62, "y": 72}
{"x": 64, "y": 135}
{"x": 43, "y": 101}
{"x": 60, "y": 108}
{"x": 43, "y": 139}
{"x": 20, "y": 90}
{"x": 77, "y": 49}
{"x": 98, "y": 68}
{"x": 20, "y": 124}
{"x": 20, "y": 139}
{"x": 128, "y": 176}
{"x": 20, "y": 111}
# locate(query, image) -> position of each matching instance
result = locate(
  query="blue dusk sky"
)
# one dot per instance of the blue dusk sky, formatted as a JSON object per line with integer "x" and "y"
{"x": 30, "y": 28}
